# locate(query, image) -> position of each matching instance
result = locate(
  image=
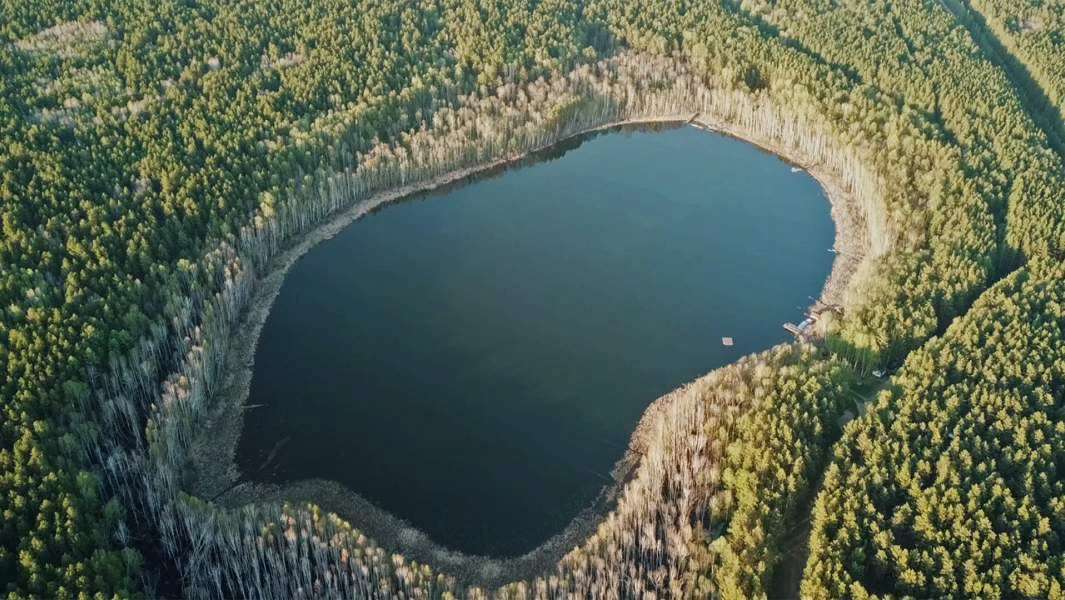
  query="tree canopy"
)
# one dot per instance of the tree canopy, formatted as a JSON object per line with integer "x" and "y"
{"x": 155, "y": 156}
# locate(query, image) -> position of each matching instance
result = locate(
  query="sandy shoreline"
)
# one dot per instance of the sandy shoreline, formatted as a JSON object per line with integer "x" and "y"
{"x": 214, "y": 474}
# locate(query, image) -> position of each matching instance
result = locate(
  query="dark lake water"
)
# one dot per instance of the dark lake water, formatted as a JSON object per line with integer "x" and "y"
{"x": 475, "y": 361}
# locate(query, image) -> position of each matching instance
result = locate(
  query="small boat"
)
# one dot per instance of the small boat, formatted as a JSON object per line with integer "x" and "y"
{"x": 796, "y": 170}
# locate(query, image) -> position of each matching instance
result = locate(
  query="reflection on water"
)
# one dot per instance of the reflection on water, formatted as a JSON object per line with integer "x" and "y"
{"x": 475, "y": 363}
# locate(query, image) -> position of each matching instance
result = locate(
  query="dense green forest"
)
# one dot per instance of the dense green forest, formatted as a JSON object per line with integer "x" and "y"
{"x": 157, "y": 156}
{"x": 1030, "y": 40}
{"x": 951, "y": 486}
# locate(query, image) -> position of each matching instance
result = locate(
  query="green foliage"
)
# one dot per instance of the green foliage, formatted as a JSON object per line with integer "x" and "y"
{"x": 141, "y": 142}
{"x": 971, "y": 220}
{"x": 781, "y": 447}
{"x": 1030, "y": 30}
{"x": 136, "y": 135}
{"x": 952, "y": 485}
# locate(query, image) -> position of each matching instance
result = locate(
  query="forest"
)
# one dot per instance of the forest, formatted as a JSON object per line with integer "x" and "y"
{"x": 157, "y": 159}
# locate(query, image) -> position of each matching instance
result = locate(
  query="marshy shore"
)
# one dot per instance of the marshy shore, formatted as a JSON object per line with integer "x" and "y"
{"x": 214, "y": 474}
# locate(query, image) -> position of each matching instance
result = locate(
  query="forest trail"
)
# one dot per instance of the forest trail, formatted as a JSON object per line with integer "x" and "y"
{"x": 786, "y": 578}
{"x": 1033, "y": 97}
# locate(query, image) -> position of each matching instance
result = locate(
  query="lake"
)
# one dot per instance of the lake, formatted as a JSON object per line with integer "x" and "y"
{"x": 475, "y": 360}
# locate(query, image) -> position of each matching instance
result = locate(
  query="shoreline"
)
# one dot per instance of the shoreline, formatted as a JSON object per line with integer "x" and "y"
{"x": 215, "y": 475}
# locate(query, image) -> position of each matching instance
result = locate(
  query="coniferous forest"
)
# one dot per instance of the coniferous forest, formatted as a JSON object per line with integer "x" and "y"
{"x": 159, "y": 160}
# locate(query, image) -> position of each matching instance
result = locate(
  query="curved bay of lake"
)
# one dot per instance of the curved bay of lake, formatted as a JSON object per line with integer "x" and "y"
{"x": 475, "y": 362}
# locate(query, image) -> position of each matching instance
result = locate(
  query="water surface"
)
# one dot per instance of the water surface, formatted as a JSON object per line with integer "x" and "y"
{"x": 474, "y": 362}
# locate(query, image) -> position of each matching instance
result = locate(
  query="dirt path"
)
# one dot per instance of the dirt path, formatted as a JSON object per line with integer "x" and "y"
{"x": 784, "y": 585}
{"x": 795, "y": 546}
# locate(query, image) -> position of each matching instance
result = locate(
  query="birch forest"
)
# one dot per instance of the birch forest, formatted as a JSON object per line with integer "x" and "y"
{"x": 156, "y": 157}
